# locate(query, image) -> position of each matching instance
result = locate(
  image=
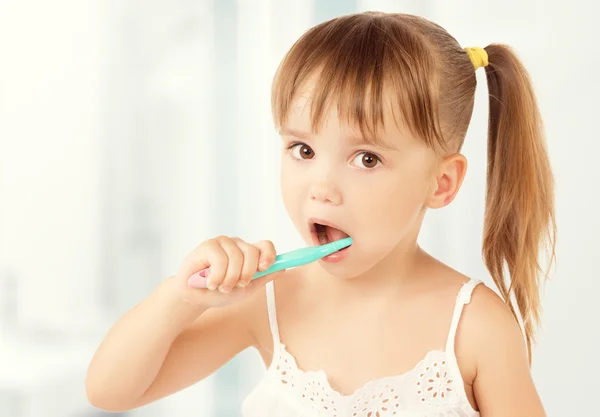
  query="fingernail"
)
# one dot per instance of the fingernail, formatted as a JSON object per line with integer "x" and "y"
{"x": 224, "y": 290}
{"x": 240, "y": 284}
{"x": 263, "y": 265}
{"x": 211, "y": 286}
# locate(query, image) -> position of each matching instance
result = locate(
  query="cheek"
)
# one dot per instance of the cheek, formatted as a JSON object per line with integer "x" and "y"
{"x": 291, "y": 188}
{"x": 393, "y": 206}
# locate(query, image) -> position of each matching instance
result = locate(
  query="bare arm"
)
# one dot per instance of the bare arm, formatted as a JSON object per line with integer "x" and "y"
{"x": 180, "y": 335}
{"x": 162, "y": 346}
{"x": 503, "y": 386}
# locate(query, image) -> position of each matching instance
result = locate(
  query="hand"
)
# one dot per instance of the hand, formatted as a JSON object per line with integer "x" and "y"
{"x": 233, "y": 262}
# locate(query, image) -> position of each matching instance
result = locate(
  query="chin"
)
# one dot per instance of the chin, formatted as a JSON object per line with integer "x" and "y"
{"x": 348, "y": 264}
{"x": 357, "y": 261}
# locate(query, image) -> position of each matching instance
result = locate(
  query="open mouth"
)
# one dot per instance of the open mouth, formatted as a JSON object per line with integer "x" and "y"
{"x": 325, "y": 233}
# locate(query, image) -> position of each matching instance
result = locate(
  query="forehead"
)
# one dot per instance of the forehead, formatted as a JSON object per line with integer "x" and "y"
{"x": 300, "y": 123}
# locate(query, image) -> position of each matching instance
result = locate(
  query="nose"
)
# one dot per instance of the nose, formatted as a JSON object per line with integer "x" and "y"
{"x": 326, "y": 192}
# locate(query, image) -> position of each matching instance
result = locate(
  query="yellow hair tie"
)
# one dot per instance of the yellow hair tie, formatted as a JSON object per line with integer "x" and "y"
{"x": 478, "y": 56}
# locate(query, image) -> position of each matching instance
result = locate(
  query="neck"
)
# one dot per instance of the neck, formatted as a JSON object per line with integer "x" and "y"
{"x": 392, "y": 275}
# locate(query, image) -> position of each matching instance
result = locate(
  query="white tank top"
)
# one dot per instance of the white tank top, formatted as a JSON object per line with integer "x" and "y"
{"x": 433, "y": 388}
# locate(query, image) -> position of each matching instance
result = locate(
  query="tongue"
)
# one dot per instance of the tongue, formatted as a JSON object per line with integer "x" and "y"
{"x": 335, "y": 234}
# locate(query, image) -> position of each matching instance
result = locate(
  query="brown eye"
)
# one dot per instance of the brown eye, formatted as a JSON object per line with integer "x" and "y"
{"x": 367, "y": 160}
{"x": 302, "y": 151}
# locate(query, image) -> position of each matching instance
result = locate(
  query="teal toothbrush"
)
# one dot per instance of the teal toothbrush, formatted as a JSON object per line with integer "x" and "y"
{"x": 292, "y": 259}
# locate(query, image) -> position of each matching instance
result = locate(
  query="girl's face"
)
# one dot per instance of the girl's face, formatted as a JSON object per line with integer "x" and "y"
{"x": 375, "y": 194}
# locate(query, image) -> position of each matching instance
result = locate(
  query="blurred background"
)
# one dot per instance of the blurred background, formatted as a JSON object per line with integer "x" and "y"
{"x": 130, "y": 131}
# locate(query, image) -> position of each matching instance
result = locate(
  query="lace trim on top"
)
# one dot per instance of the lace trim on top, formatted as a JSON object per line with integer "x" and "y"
{"x": 433, "y": 387}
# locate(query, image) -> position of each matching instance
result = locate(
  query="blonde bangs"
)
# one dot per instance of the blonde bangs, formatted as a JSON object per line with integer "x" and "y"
{"x": 371, "y": 68}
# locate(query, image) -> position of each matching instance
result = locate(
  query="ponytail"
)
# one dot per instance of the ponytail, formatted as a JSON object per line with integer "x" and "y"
{"x": 519, "y": 209}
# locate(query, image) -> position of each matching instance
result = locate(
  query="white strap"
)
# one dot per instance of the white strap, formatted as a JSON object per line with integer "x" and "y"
{"x": 270, "y": 288}
{"x": 464, "y": 297}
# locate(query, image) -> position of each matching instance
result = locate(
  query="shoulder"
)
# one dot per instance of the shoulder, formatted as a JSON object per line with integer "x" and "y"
{"x": 489, "y": 327}
{"x": 490, "y": 338}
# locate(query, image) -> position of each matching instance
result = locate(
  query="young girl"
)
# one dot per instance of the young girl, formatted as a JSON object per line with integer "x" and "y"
{"x": 372, "y": 110}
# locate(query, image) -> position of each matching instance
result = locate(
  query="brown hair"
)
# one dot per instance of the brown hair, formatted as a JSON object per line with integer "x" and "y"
{"x": 366, "y": 62}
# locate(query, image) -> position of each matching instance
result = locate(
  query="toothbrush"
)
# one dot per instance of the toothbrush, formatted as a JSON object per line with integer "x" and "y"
{"x": 291, "y": 259}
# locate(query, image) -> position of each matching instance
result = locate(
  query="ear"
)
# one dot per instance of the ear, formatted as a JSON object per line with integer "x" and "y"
{"x": 447, "y": 180}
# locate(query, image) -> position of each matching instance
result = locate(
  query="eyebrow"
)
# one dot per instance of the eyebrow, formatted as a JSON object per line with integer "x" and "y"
{"x": 355, "y": 140}
{"x": 287, "y": 131}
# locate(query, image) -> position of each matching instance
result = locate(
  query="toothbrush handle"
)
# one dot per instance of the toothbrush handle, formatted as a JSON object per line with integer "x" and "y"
{"x": 200, "y": 277}
{"x": 287, "y": 260}
{"x": 203, "y": 274}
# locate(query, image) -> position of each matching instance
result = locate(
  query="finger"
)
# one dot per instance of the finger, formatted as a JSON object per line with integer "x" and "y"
{"x": 267, "y": 254}
{"x": 208, "y": 254}
{"x": 234, "y": 266}
{"x": 250, "y": 266}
